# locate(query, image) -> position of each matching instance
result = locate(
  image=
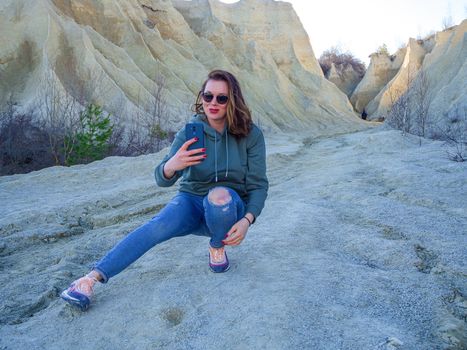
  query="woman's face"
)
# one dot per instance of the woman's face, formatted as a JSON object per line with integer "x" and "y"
{"x": 215, "y": 111}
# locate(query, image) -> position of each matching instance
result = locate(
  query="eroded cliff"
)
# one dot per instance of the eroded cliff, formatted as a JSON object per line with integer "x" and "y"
{"x": 112, "y": 52}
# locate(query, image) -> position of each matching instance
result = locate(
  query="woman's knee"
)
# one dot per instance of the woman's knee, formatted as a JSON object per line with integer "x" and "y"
{"x": 219, "y": 196}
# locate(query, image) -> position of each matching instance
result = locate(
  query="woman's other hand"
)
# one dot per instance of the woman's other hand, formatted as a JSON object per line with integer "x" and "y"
{"x": 184, "y": 158}
{"x": 237, "y": 233}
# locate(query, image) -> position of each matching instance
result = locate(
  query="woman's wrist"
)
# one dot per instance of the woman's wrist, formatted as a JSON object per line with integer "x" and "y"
{"x": 168, "y": 172}
{"x": 250, "y": 218}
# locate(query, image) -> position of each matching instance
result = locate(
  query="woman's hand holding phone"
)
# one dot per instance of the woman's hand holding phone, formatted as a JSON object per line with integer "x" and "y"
{"x": 184, "y": 158}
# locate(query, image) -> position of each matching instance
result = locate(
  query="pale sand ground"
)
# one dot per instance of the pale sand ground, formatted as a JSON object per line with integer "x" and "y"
{"x": 361, "y": 245}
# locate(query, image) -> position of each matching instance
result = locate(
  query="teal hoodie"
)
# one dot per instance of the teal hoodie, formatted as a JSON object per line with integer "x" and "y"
{"x": 236, "y": 163}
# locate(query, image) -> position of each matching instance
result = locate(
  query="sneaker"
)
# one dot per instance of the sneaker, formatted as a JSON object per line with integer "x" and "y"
{"x": 79, "y": 293}
{"x": 218, "y": 261}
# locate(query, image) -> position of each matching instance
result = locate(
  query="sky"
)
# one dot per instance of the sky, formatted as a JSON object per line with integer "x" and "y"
{"x": 362, "y": 26}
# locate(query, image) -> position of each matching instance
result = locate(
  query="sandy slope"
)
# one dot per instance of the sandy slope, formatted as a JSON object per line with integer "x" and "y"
{"x": 361, "y": 245}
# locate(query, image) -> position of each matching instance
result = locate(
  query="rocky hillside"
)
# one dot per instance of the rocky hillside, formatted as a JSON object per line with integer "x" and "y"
{"x": 431, "y": 73}
{"x": 346, "y": 78}
{"x": 114, "y": 52}
{"x": 381, "y": 70}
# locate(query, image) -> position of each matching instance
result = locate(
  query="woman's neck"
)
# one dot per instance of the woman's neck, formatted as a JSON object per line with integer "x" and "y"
{"x": 217, "y": 125}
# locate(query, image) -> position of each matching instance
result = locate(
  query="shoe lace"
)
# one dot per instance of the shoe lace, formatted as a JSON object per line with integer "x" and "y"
{"x": 217, "y": 254}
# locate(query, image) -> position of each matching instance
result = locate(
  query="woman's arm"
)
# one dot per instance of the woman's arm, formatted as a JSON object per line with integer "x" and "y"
{"x": 257, "y": 184}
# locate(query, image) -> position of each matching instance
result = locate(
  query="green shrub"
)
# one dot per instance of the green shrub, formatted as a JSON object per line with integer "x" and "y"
{"x": 158, "y": 133}
{"x": 92, "y": 141}
{"x": 383, "y": 49}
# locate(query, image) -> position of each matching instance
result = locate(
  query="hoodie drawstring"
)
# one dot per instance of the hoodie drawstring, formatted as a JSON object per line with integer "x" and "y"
{"x": 226, "y": 151}
{"x": 215, "y": 153}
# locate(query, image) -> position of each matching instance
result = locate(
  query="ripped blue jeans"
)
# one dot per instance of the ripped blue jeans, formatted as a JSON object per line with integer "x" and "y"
{"x": 185, "y": 214}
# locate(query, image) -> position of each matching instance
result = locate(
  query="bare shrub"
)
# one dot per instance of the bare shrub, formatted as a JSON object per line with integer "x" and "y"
{"x": 146, "y": 131}
{"x": 59, "y": 115}
{"x": 409, "y": 113}
{"x": 23, "y": 145}
{"x": 341, "y": 61}
{"x": 395, "y": 116}
{"x": 137, "y": 140}
{"x": 447, "y": 22}
{"x": 116, "y": 140}
{"x": 420, "y": 89}
{"x": 143, "y": 133}
{"x": 155, "y": 120}
{"x": 404, "y": 103}
{"x": 454, "y": 133}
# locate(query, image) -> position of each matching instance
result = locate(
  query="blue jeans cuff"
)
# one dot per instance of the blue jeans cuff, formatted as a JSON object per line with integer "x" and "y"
{"x": 105, "y": 279}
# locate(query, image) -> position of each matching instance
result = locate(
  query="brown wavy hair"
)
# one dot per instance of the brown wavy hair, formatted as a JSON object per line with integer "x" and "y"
{"x": 238, "y": 115}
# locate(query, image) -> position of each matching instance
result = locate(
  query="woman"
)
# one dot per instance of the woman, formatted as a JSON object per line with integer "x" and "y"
{"x": 222, "y": 192}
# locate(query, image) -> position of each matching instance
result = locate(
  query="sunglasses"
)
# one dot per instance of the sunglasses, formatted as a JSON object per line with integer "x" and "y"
{"x": 208, "y": 97}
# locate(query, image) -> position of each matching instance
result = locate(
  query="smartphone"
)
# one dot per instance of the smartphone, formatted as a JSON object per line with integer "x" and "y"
{"x": 195, "y": 130}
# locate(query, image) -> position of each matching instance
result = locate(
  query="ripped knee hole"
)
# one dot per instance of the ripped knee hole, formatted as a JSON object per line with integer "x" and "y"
{"x": 219, "y": 196}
